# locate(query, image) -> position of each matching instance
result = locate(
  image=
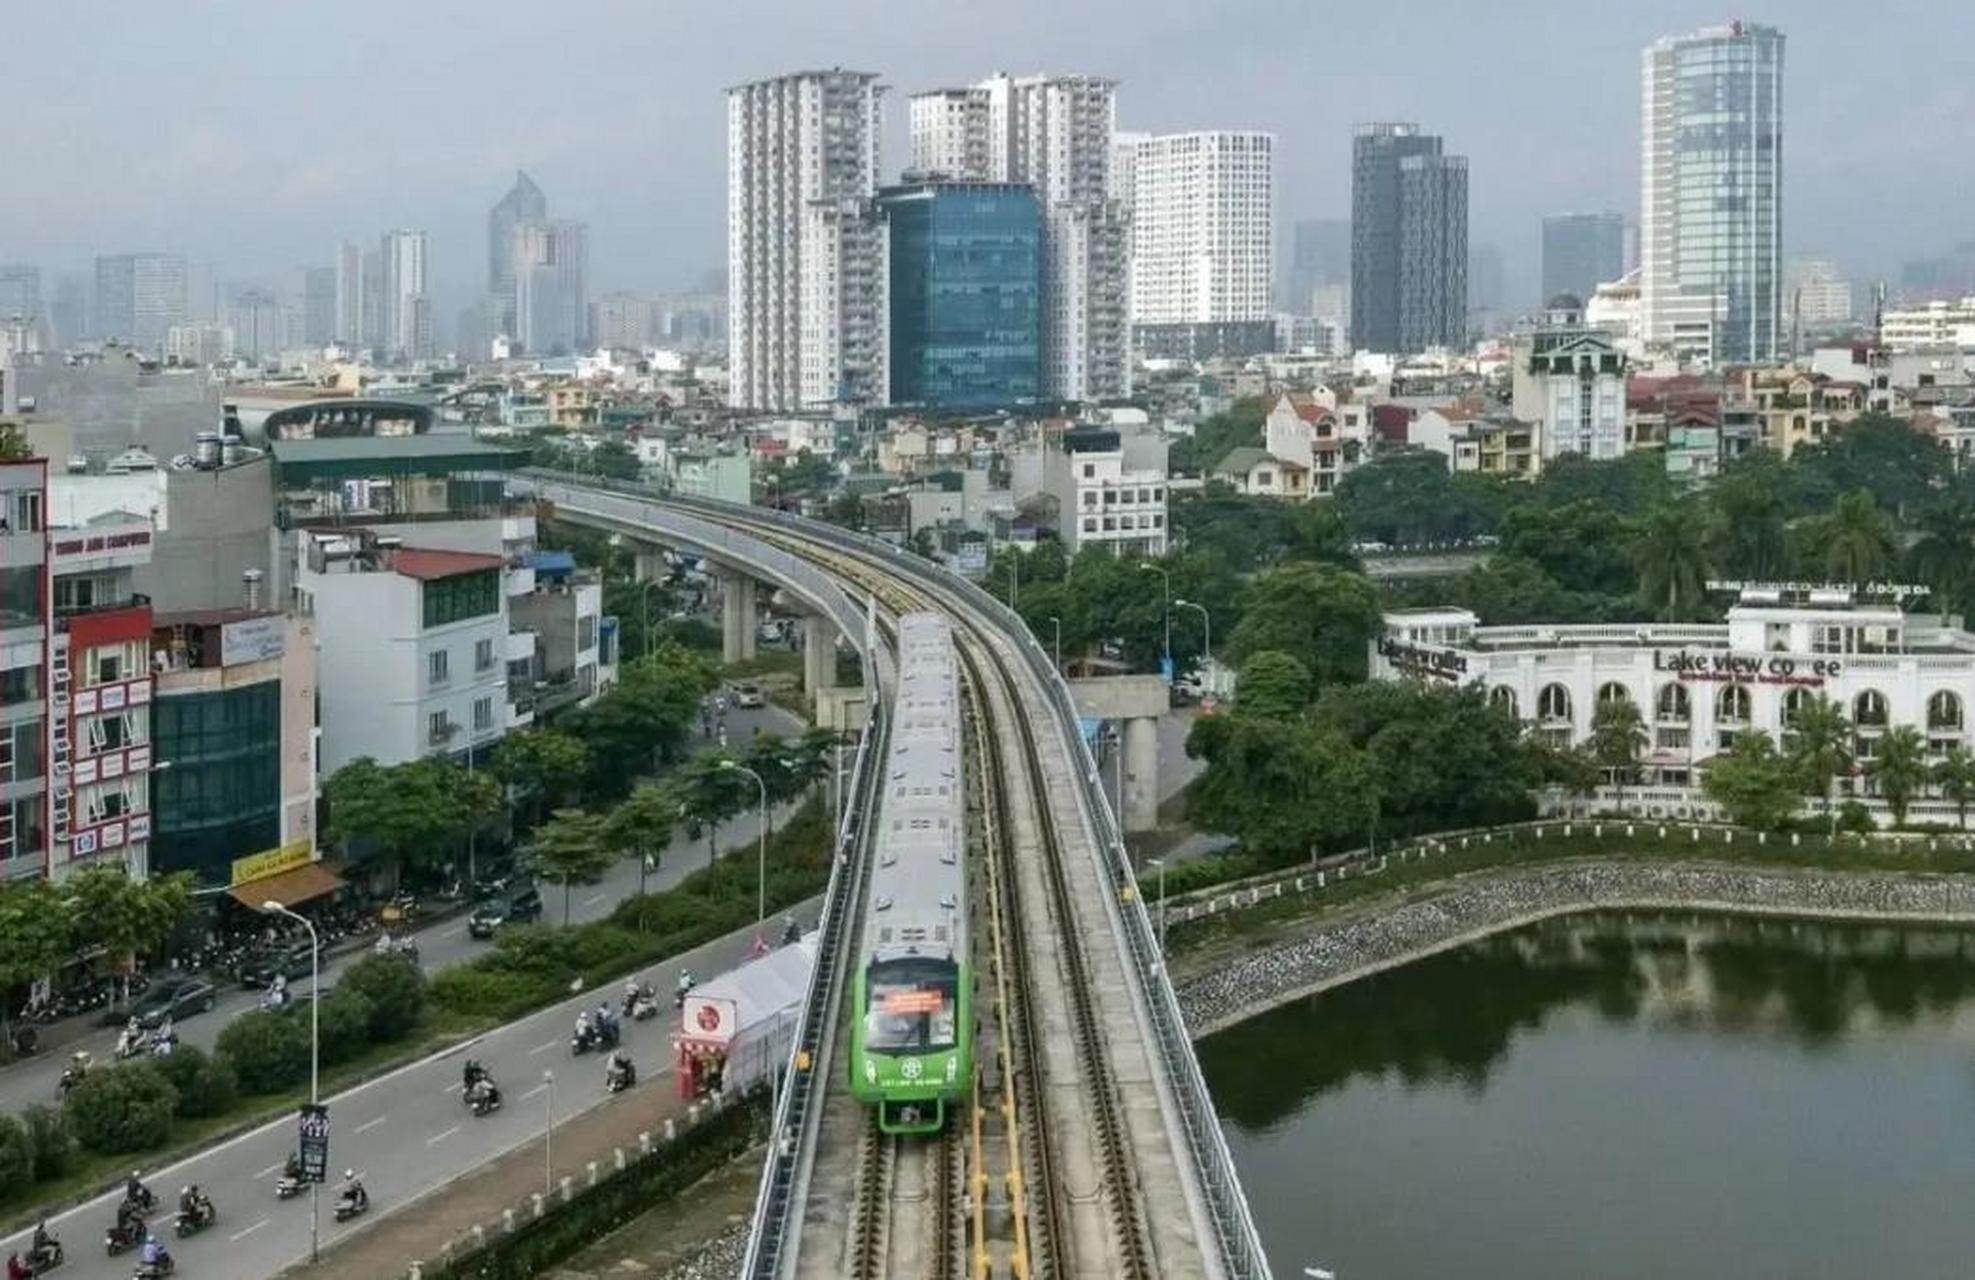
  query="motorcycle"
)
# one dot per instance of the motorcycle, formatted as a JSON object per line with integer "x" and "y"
{"x": 349, "y": 1206}
{"x": 46, "y": 1258}
{"x": 618, "y": 1079}
{"x": 287, "y": 1188}
{"x": 124, "y": 1235}
{"x": 132, "y": 1046}
{"x": 143, "y": 1200}
{"x": 594, "y": 1036}
{"x": 644, "y": 1008}
{"x": 73, "y": 1073}
{"x": 201, "y": 1216}
{"x": 485, "y": 1104}
{"x": 154, "y": 1270}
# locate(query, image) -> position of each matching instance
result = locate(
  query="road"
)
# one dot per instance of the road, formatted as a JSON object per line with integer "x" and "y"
{"x": 37, "y": 1079}
{"x": 405, "y": 1133}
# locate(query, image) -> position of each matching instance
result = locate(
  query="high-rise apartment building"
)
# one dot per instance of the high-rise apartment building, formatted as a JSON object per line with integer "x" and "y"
{"x": 1319, "y": 258}
{"x": 805, "y": 270}
{"x": 550, "y": 264}
{"x": 964, "y": 293}
{"x": 524, "y": 202}
{"x": 1055, "y": 133}
{"x": 1409, "y": 240}
{"x": 1203, "y": 241}
{"x": 1580, "y": 252}
{"x": 319, "y": 306}
{"x": 1817, "y": 294}
{"x": 139, "y": 296}
{"x": 1711, "y": 194}
{"x": 20, "y": 292}
{"x": 259, "y": 324}
{"x": 352, "y": 285}
{"x": 404, "y": 307}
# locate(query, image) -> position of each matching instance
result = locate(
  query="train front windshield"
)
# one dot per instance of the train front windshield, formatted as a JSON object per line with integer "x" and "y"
{"x": 910, "y": 1006}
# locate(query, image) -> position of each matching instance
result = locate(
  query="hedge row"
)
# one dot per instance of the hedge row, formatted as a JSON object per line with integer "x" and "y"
{"x": 133, "y": 1107}
{"x": 535, "y": 965}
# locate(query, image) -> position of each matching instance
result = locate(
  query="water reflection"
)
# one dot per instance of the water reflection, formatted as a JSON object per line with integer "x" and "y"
{"x": 1453, "y": 1018}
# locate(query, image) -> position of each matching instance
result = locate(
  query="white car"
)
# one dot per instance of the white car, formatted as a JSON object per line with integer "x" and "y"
{"x": 747, "y": 695}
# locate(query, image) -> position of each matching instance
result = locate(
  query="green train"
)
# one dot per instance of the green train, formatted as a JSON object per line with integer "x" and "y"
{"x": 911, "y": 1045}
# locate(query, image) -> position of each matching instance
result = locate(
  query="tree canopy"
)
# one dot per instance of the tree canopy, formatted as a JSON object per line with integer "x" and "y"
{"x": 1319, "y": 614}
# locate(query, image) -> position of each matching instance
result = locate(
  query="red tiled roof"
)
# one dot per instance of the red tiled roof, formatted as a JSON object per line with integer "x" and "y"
{"x": 426, "y": 565}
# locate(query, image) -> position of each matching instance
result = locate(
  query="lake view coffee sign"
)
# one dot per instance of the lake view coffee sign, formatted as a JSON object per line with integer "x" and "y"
{"x": 1746, "y": 668}
{"x": 1439, "y": 664}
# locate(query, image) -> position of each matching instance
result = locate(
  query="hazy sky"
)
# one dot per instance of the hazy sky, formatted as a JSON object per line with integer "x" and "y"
{"x": 253, "y": 135}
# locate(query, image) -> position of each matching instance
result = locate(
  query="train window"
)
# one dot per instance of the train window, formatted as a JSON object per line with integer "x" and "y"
{"x": 910, "y": 1005}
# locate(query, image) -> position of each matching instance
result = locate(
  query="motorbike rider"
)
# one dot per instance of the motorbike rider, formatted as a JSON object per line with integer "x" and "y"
{"x": 618, "y": 1068}
{"x": 584, "y": 1029}
{"x": 353, "y": 1193}
{"x": 686, "y": 983}
{"x": 483, "y": 1092}
{"x": 291, "y": 1168}
{"x": 164, "y": 1038}
{"x": 384, "y": 945}
{"x": 129, "y": 1038}
{"x": 18, "y": 1270}
{"x": 791, "y": 930}
{"x": 154, "y": 1258}
{"x": 471, "y": 1074}
{"x": 606, "y": 1020}
{"x": 43, "y": 1246}
{"x": 135, "y": 1193}
{"x": 193, "y": 1203}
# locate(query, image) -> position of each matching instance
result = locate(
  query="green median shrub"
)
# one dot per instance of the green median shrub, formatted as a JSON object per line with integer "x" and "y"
{"x": 53, "y": 1142}
{"x": 120, "y": 1109}
{"x": 206, "y": 1085}
{"x": 16, "y": 1156}
{"x": 269, "y": 1051}
{"x": 346, "y": 1016}
{"x": 395, "y": 987}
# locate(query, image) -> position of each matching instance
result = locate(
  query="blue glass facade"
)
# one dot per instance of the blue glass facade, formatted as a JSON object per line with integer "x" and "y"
{"x": 966, "y": 294}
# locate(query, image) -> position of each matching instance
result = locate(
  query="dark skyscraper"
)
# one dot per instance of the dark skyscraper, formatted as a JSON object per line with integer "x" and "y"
{"x": 524, "y": 202}
{"x": 1409, "y": 241}
{"x": 1580, "y": 252}
{"x": 319, "y": 306}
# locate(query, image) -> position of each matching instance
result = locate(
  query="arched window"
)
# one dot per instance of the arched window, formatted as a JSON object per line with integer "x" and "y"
{"x": 1869, "y": 710}
{"x": 1731, "y": 705}
{"x": 1795, "y": 703}
{"x": 1553, "y": 704}
{"x": 1673, "y": 704}
{"x": 1502, "y": 698}
{"x": 1612, "y": 692}
{"x": 1944, "y": 712}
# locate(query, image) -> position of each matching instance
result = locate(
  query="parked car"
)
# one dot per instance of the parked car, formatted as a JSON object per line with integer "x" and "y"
{"x": 291, "y": 962}
{"x": 518, "y": 907}
{"x": 178, "y": 998}
{"x": 747, "y": 695}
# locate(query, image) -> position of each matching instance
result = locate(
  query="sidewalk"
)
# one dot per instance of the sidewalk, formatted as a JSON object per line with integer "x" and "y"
{"x": 421, "y": 1230}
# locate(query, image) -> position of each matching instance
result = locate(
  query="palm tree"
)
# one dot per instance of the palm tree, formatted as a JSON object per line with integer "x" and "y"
{"x": 1856, "y": 539}
{"x": 1899, "y": 766}
{"x": 1751, "y": 535}
{"x": 1954, "y": 774}
{"x": 1669, "y": 552}
{"x": 1618, "y": 736}
{"x": 1943, "y": 556}
{"x": 1820, "y": 742}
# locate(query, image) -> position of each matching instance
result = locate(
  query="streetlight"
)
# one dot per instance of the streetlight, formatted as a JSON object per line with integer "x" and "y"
{"x": 644, "y": 608}
{"x": 1161, "y": 864}
{"x": 1166, "y": 596}
{"x": 761, "y": 846}
{"x": 271, "y": 907}
{"x": 548, "y": 1135}
{"x": 1014, "y": 578}
{"x": 1057, "y": 622}
{"x": 1207, "y": 630}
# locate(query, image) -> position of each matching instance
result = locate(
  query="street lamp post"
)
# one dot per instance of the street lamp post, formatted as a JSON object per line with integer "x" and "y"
{"x": 272, "y": 907}
{"x": 761, "y": 846}
{"x": 1206, "y": 630}
{"x": 1014, "y": 579}
{"x": 1161, "y": 864}
{"x": 644, "y": 609}
{"x": 1166, "y": 601}
{"x": 1057, "y": 623}
{"x": 548, "y": 1135}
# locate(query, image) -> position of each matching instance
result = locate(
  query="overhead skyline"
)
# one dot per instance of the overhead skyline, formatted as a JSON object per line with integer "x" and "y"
{"x": 252, "y": 180}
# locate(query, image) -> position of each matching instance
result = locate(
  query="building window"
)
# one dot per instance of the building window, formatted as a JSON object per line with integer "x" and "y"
{"x": 483, "y": 715}
{"x": 19, "y": 684}
{"x": 483, "y": 654}
{"x": 438, "y": 730}
{"x": 438, "y": 666}
{"x": 1503, "y": 698}
{"x": 20, "y": 751}
{"x": 586, "y": 633}
{"x": 1869, "y": 710}
{"x": 1090, "y": 470}
{"x": 1673, "y": 705}
{"x": 1090, "y": 524}
{"x": 1613, "y": 693}
{"x": 1944, "y": 712}
{"x": 463, "y": 596}
{"x": 1795, "y": 703}
{"x": 1553, "y": 704}
{"x": 110, "y": 663}
{"x": 1090, "y": 497}
{"x": 1731, "y": 705}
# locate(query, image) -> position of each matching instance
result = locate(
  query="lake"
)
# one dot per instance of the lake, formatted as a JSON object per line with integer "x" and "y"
{"x": 1620, "y": 1096}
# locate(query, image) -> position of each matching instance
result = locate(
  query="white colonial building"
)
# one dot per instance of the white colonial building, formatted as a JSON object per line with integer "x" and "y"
{"x": 1697, "y": 687}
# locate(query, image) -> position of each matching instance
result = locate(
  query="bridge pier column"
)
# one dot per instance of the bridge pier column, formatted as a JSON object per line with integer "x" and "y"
{"x": 647, "y": 562}
{"x": 819, "y": 654}
{"x": 736, "y": 617}
{"x": 1141, "y": 748}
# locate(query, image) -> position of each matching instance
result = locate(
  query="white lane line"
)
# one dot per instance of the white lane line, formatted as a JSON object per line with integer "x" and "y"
{"x": 454, "y": 932}
{"x": 532, "y": 1092}
{"x": 438, "y": 1138}
{"x": 593, "y": 899}
{"x": 273, "y": 1168}
{"x": 238, "y": 1236}
{"x": 368, "y": 1125}
{"x": 543, "y": 1048}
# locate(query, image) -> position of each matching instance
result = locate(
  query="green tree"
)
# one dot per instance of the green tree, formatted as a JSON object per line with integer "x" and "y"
{"x": 1902, "y": 468}
{"x": 613, "y": 460}
{"x": 13, "y": 443}
{"x": 36, "y": 935}
{"x": 1584, "y": 545}
{"x": 1856, "y": 541}
{"x": 126, "y": 917}
{"x": 1316, "y": 613}
{"x": 644, "y": 720}
{"x": 395, "y": 987}
{"x": 1753, "y": 781}
{"x": 1238, "y": 425}
{"x": 1259, "y": 782}
{"x": 641, "y": 826}
{"x": 412, "y": 814}
{"x": 1818, "y": 740}
{"x": 1618, "y": 737}
{"x": 1750, "y": 530}
{"x": 1273, "y": 686}
{"x": 1954, "y": 774}
{"x": 206, "y": 1086}
{"x": 569, "y": 849}
{"x": 708, "y": 794}
{"x": 1899, "y": 768}
{"x": 545, "y": 765}
{"x": 269, "y": 1052}
{"x": 1407, "y": 496}
{"x": 16, "y": 1156}
{"x": 54, "y": 1143}
{"x": 1943, "y": 555}
{"x": 1669, "y": 553}
{"x": 117, "y": 1110}
{"x": 1442, "y": 757}
{"x": 346, "y": 1015}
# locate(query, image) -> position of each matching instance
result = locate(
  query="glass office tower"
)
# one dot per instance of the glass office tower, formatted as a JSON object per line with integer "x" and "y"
{"x": 966, "y": 293}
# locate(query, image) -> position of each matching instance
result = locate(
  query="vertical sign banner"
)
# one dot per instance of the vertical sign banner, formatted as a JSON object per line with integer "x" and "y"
{"x": 315, "y": 1142}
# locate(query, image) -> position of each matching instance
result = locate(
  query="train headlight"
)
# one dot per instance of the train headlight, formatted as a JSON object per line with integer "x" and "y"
{"x": 870, "y": 1071}
{"x": 952, "y": 1068}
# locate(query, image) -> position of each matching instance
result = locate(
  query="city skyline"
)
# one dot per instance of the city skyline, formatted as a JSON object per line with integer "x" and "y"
{"x": 633, "y": 155}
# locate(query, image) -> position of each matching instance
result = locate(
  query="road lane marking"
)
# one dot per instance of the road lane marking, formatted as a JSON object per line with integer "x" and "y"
{"x": 593, "y": 899}
{"x": 238, "y": 1236}
{"x": 437, "y": 1138}
{"x": 368, "y": 1125}
{"x": 273, "y": 1168}
{"x": 454, "y": 932}
{"x": 543, "y": 1048}
{"x": 532, "y": 1092}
